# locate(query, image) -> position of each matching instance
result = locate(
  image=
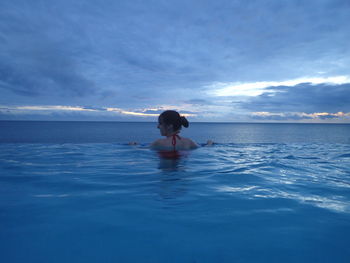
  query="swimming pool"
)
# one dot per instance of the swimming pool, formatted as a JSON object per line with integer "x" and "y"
{"x": 233, "y": 202}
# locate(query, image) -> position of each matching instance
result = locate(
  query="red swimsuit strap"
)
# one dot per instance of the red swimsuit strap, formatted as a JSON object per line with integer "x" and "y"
{"x": 173, "y": 141}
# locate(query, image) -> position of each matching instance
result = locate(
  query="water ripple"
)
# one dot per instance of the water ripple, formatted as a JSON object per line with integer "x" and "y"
{"x": 311, "y": 174}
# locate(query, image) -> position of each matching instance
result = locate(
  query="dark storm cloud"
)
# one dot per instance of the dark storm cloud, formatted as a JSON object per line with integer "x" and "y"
{"x": 302, "y": 98}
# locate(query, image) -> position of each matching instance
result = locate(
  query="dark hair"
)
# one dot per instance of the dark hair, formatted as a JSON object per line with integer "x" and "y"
{"x": 174, "y": 118}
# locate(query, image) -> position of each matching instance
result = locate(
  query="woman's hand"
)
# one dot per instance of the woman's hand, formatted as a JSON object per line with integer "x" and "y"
{"x": 209, "y": 143}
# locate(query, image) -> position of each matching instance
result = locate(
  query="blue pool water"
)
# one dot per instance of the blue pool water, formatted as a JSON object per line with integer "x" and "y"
{"x": 264, "y": 193}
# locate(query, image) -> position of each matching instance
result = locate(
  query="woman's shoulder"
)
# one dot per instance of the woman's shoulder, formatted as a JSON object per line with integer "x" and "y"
{"x": 159, "y": 142}
{"x": 182, "y": 143}
{"x": 188, "y": 142}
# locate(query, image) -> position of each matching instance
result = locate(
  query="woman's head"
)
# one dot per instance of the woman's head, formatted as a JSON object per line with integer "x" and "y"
{"x": 170, "y": 121}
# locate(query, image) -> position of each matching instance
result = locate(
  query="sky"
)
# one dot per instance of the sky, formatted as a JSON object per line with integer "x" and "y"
{"x": 215, "y": 61}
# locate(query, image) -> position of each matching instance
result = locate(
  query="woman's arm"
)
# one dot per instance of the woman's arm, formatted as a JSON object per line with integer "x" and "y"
{"x": 209, "y": 143}
{"x": 193, "y": 145}
{"x": 156, "y": 144}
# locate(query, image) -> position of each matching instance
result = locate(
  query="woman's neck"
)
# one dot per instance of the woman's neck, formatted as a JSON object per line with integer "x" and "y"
{"x": 172, "y": 134}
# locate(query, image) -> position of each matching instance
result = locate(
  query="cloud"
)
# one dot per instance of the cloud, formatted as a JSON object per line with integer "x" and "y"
{"x": 76, "y": 111}
{"x": 147, "y": 112}
{"x": 278, "y": 116}
{"x": 260, "y": 87}
{"x": 199, "y": 102}
{"x": 304, "y": 97}
{"x": 136, "y": 55}
{"x": 35, "y": 58}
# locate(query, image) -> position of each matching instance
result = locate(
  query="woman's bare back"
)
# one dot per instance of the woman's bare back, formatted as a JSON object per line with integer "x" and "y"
{"x": 168, "y": 144}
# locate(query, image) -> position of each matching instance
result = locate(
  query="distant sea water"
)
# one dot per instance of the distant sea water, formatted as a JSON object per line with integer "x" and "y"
{"x": 146, "y": 132}
{"x": 76, "y": 192}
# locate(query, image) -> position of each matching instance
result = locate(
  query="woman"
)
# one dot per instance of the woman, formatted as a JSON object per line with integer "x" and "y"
{"x": 169, "y": 124}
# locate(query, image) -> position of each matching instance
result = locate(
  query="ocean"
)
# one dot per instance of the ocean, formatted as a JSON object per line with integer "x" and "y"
{"x": 77, "y": 192}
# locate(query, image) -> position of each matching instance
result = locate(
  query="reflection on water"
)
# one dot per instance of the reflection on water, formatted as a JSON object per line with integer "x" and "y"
{"x": 172, "y": 185}
{"x": 172, "y": 181}
{"x": 172, "y": 160}
{"x": 170, "y": 164}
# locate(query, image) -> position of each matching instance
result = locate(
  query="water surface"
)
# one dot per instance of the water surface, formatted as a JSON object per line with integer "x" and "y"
{"x": 234, "y": 202}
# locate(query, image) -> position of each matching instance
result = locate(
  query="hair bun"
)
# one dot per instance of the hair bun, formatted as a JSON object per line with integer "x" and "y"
{"x": 184, "y": 122}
